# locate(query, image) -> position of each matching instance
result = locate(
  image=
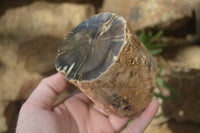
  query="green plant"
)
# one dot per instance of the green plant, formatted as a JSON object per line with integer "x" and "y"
{"x": 151, "y": 41}
{"x": 173, "y": 93}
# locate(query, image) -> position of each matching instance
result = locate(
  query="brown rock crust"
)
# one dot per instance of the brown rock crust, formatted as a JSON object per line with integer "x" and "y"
{"x": 125, "y": 88}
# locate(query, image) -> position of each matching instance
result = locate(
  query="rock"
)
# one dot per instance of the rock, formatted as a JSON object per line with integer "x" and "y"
{"x": 172, "y": 127}
{"x": 43, "y": 18}
{"x": 190, "y": 56}
{"x": 183, "y": 127}
{"x": 17, "y": 84}
{"x": 8, "y": 55}
{"x": 186, "y": 107}
{"x": 183, "y": 75}
{"x": 158, "y": 127}
{"x": 37, "y": 55}
{"x": 2, "y": 68}
{"x": 11, "y": 113}
{"x": 3, "y": 125}
{"x": 166, "y": 14}
{"x": 109, "y": 64}
{"x": 197, "y": 16}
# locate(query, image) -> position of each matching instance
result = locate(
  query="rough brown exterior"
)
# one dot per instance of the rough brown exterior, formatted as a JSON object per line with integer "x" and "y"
{"x": 126, "y": 88}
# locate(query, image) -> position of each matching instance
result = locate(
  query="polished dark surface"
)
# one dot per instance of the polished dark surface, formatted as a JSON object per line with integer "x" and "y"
{"x": 91, "y": 47}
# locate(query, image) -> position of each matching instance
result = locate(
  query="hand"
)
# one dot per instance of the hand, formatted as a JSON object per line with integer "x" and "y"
{"x": 73, "y": 115}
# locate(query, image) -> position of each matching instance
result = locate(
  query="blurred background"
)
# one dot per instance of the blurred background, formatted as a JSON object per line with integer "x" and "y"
{"x": 32, "y": 30}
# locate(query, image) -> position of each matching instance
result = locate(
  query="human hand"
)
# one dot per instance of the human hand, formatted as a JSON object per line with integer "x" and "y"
{"x": 73, "y": 115}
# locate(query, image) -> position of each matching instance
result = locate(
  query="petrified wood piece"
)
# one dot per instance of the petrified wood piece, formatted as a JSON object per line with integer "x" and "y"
{"x": 109, "y": 64}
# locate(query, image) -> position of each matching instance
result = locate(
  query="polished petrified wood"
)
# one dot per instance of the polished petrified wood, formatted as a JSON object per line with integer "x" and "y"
{"x": 109, "y": 64}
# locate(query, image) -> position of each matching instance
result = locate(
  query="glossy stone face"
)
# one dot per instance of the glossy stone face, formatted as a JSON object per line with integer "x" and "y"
{"x": 92, "y": 47}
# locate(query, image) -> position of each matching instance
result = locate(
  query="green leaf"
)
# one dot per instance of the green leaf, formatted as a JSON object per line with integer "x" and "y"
{"x": 158, "y": 35}
{"x": 156, "y": 51}
{"x": 150, "y": 34}
{"x": 143, "y": 37}
{"x": 174, "y": 93}
{"x": 148, "y": 39}
{"x": 158, "y": 45}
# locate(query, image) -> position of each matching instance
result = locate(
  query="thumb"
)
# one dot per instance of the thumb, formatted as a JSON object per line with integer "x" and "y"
{"x": 140, "y": 123}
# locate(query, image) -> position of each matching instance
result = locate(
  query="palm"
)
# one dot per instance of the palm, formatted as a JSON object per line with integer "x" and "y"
{"x": 73, "y": 115}
{"x": 86, "y": 119}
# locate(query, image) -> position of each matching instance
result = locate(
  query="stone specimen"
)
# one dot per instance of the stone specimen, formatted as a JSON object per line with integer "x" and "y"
{"x": 109, "y": 64}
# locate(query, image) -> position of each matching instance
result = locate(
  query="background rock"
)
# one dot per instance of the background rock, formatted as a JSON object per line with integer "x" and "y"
{"x": 186, "y": 107}
{"x": 165, "y": 14}
{"x": 172, "y": 127}
{"x": 39, "y": 55}
{"x": 3, "y": 125}
{"x": 43, "y": 18}
{"x": 183, "y": 75}
{"x": 14, "y": 80}
{"x": 190, "y": 56}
